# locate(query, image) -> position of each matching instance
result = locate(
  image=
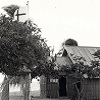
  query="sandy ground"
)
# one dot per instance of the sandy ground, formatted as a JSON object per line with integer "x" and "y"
{"x": 35, "y": 98}
{"x": 36, "y": 94}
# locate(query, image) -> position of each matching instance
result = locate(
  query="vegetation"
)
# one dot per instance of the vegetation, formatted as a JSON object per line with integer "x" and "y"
{"x": 10, "y": 9}
{"x": 79, "y": 71}
{"x": 21, "y": 45}
{"x": 22, "y": 48}
{"x": 70, "y": 42}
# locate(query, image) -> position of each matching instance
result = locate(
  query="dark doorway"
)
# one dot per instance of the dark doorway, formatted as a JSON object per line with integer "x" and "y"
{"x": 62, "y": 87}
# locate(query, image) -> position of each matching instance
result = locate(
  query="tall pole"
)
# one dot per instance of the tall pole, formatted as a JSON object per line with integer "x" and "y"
{"x": 28, "y": 75}
{"x": 27, "y": 4}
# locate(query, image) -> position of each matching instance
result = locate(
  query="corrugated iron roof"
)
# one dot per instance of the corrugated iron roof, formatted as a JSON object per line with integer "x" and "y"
{"x": 82, "y": 51}
{"x": 63, "y": 61}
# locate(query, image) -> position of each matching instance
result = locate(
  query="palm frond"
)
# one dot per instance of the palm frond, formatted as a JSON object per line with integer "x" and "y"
{"x": 10, "y": 9}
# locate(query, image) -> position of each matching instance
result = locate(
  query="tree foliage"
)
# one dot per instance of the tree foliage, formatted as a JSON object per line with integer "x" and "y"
{"x": 22, "y": 50}
{"x": 21, "y": 45}
{"x": 71, "y": 42}
{"x": 10, "y": 9}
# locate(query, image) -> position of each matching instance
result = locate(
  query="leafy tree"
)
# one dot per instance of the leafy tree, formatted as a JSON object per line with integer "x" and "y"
{"x": 21, "y": 47}
{"x": 71, "y": 42}
{"x": 10, "y": 9}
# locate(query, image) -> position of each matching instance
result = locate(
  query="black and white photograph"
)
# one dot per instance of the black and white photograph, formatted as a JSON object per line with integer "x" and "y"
{"x": 49, "y": 49}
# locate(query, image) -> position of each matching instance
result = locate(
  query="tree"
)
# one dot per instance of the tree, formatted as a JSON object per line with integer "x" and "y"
{"x": 71, "y": 42}
{"x": 10, "y": 9}
{"x": 21, "y": 46}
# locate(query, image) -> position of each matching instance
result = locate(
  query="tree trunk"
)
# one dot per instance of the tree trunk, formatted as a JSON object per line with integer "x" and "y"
{"x": 79, "y": 91}
{"x": 25, "y": 88}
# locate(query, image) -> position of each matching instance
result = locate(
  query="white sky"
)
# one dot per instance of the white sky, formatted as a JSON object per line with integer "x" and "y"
{"x": 63, "y": 19}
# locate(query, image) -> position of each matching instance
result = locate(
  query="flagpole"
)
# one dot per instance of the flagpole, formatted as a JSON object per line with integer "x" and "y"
{"x": 27, "y": 3}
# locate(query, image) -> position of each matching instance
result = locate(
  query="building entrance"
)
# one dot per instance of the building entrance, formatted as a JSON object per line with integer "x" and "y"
{"x": 62, "y": 87}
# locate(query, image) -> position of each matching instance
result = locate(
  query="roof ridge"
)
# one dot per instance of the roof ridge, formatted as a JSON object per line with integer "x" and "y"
{"x": 83, "y": 46}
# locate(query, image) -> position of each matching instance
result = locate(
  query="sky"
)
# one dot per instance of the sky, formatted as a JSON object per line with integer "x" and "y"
{"x": 63, "y": 19}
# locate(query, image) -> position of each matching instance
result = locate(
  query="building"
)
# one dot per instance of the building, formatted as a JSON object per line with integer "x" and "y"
{"x": 62, "y": 85}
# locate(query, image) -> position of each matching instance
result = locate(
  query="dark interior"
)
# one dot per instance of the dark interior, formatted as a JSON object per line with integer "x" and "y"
{"x": 64, "y": 53}
{"x": 62, "y": 87}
